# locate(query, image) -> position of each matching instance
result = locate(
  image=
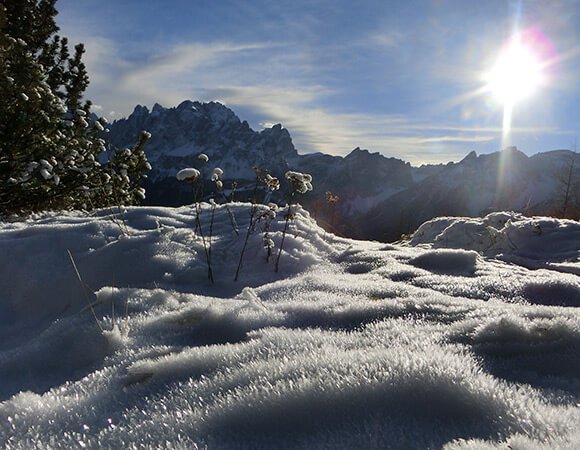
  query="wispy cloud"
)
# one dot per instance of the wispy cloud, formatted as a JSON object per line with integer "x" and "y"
{"x": 318, "y": 129}
{"x": 385, "y": 84}
{"x": 192, "y": 56}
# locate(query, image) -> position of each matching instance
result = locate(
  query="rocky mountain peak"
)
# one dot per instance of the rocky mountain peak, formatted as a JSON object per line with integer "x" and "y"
{"x": 181, "y": 133}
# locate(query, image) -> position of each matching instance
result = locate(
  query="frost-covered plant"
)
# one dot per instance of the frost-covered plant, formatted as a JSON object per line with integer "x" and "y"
{"x": 267, "y": 215}
{"x": 272, "y": 184}
{"x": 217, "y": 173}
{"x": 219, "y": 193}
{"x": 219, "y": 187}
{"x": 300, "y": 183}
{"x": 203, "y": 158}
{"x": 190, "y": 176}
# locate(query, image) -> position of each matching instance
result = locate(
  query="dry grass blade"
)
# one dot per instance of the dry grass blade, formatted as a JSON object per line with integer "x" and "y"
{"x": 86, "y": 289}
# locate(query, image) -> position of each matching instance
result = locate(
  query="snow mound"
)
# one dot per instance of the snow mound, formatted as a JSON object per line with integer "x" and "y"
{"x": 350, "y": 344}
{"x": 534, "y": 242}
{"x": 447, "y": 261}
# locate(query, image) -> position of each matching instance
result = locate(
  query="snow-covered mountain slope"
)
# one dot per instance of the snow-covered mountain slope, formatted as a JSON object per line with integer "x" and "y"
{"x": 352, "y": 344}
{"x": 506, "y": 180}
{"x": 380, "y": 198}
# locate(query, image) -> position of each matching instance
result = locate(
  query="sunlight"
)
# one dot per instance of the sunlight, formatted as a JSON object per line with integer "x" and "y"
{"x": 516, "y": 75}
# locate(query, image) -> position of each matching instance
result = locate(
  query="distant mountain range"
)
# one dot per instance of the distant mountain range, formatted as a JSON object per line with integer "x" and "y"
{"x": 378, "y": 197}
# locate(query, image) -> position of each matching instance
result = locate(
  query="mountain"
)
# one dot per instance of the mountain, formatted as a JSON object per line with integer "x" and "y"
{"x": 180, "y": 134}
{"x": 506, "y": 180}
{"x": 379, "y": 197}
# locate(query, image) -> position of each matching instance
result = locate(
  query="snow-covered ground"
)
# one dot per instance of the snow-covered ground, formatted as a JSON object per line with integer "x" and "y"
{"x": 466, "y": 336}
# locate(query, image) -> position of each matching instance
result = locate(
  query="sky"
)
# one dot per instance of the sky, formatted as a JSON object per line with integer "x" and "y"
{"x": 408, "y": 79}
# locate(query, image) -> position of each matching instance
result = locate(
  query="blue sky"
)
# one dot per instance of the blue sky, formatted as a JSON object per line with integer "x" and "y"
{"x": 403, "y": 78}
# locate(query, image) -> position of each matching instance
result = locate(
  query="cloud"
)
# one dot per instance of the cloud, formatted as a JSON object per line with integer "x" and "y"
{"x": 308, "y": 87}
{"x": 321, "y": 129}
{"x": 192, "y": 56}
{"x": 387, "y": 39}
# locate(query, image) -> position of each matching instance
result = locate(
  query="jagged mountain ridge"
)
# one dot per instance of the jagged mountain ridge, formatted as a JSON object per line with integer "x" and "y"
{"x": 380, "y": 197}
{"x": 180, "y": 134}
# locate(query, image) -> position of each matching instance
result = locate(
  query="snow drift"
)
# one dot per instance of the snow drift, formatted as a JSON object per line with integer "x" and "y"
{"x": 443, "y": 341}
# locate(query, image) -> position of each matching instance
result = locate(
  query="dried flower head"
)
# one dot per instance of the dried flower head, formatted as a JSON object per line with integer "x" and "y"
{"x": 301, "y": 182}
{"x": 271, "y": 182}
{"x": 189, "y": 175}
{"x": 268, "y": 242}
{"x": 266, "y": 212}
{"x": 332, "y": 198}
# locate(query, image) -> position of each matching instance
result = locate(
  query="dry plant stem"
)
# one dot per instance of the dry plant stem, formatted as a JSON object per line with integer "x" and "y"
{"x": 231, "y": 215}
{"x": 268, "y": 252}
{"x": 85, "y": 288}
{"x": 198, "y": 195}
{"x": 250, "y": 225}
{"x": 124, "y": 229}
{"x": 233, "y": 220}
{"x": 207, "y": 255}
{"x": 253, "y": 199}
{"x": 126, "y": 324}
{"x": 283, "y": 237}
{"x": 112, "y": 315}
{"x": 211, "y": 231}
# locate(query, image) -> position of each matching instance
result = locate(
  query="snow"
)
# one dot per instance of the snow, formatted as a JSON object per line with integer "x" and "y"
{"x": 187, "y": 174}
{"x": 509, "y": 236}
{"x": 458, "y": 338}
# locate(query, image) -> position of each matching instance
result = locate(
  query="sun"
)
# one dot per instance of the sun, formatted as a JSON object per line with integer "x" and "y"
{"x": 517, "y": 73}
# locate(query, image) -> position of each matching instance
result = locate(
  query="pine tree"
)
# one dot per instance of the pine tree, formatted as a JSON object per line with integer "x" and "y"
{"x": 125, "y": 173}
{"x": 49, "y": 145}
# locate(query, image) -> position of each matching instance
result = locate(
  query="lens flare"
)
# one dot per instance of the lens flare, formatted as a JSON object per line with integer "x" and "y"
{"x": 518, "y": 73}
